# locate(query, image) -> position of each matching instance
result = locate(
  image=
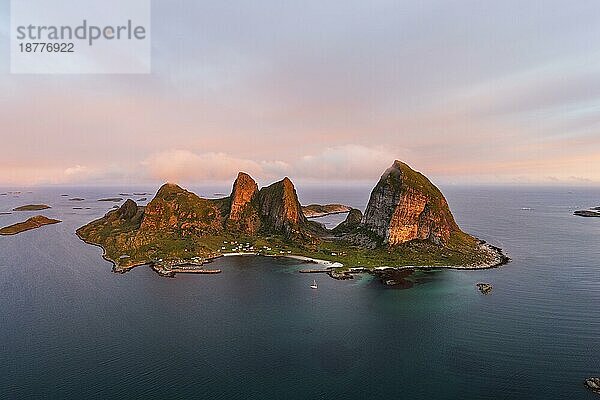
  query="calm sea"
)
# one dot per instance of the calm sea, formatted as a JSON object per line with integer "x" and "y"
{"x": 72, "y": 329}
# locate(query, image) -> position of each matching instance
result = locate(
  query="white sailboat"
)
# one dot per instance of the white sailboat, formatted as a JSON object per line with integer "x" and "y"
{"x": 314, "y": 285}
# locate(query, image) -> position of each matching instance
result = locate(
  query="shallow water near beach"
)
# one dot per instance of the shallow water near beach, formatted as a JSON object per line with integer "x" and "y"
{"x": 72, "y": 329}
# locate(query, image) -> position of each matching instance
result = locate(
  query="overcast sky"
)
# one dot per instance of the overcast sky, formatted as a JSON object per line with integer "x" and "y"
{"x": 464, "y": 91}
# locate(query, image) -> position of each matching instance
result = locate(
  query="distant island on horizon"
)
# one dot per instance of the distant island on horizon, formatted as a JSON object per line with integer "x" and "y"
{"x": 407, "y": 224}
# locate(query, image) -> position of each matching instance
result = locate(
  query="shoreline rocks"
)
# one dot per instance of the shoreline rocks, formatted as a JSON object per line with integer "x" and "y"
{"x": 341, "y": 276}
{"x": 396, "y": 278}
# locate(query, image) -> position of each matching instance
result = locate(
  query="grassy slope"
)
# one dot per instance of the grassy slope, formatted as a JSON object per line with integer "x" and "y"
{"x": 120, "y": 238}
{"x": 116, "y": 239}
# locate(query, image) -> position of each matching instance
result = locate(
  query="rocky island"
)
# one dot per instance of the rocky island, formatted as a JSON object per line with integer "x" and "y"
{"x": 32, "y": 207}
{"x": 485, "y": 288}
{"x": 593, "y": 212}
{"x": 318, "y": 210}
{"x": 407, "y": 224}
{"x": 32, "y": 223}
{"x": 593, "y": 384}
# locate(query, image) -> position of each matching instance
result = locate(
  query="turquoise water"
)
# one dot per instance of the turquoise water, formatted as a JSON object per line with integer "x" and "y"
{"x": 71, "y": 329}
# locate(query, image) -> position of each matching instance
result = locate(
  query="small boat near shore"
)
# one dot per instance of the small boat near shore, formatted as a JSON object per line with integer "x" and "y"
{"x": 314, "y": 285}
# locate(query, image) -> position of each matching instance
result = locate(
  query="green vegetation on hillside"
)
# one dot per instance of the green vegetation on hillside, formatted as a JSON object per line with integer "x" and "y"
{"x": 124, "y": 247}
{"x": 178, "y": 227}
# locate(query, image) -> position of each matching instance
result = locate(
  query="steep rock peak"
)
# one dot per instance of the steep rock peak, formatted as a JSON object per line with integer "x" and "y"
{"x": 128, "y": 210}
{"x": 279, "y": 207}
{"x": 243, "y": 212}
{"x": 244, "y": 189}
{"x": 405, "y": 205}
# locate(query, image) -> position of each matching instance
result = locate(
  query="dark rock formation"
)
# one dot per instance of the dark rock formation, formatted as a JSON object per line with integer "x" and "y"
{"x": 340, "y": 275}
{"x": 280, "y": 210}
{"x": 396, "y": 278}
{"x": 128, "y": 210}
{"x": 593, "y": 384}
{"x": 351, "y": 222}
{"x": 485, "y": 288}
{"x": 405, "y": 205}
{"x": 587, "y": 213}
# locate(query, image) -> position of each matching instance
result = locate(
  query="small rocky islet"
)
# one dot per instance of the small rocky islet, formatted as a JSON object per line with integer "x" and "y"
{"x": 407, "y": 225}
{"x": 593, "y": 384}
{"x": 318, "y": 210}
{"x": 32, "y": 207}
{"x": 485, "y": 288}
{"x": 594, "y": 212}
{"x": 32, "y": 223}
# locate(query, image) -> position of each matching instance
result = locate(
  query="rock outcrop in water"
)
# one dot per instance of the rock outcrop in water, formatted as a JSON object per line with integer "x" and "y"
{"x": 318, "y": 210}
{"x": 32, "y": 223}
{"x": 587, "y": 213}
{"x": 485, "y": 288}
{"x": 32, "y": 207}
{"x": 593, "y": 384}
{"x": 405, "y": 205}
